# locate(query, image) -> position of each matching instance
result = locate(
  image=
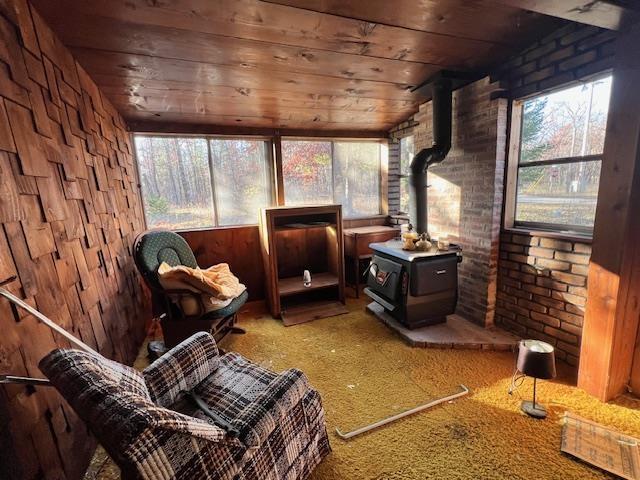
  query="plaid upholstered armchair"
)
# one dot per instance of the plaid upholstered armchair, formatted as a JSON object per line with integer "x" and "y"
{"x": 193, "y": 414}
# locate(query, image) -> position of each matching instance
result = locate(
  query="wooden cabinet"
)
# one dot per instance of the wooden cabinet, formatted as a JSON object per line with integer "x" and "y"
{"x": 356, "y": 246}
{"x": 295, "y": 239}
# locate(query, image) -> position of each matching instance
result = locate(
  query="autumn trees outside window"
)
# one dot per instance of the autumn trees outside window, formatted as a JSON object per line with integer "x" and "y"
{"x": 557, "y": 154}
{"x": 341, "y": 172}
{"x": 203, "y": 182}
{"x": 307, "y": 172}
{"x": 192, "y": 183}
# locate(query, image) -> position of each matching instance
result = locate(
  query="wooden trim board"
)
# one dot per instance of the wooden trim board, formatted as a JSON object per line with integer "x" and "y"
{"x": 601, "y": 446}
{"x": 312, "y": 311}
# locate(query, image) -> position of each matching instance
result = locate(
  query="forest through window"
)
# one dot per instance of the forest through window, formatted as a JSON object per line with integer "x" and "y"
{"x": 561, "y": 144}
{"x": 192, "y": 183}
{"x": 342, "y": 172}
{"x": 195, "y": 182}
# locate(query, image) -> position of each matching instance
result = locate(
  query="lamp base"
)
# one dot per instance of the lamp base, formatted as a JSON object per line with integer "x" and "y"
{"x": 534, "y": 410}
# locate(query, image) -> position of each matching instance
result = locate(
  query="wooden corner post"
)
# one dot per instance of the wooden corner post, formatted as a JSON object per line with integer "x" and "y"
{"x": 277, "y": 158}
{"x": 613, "y": 305}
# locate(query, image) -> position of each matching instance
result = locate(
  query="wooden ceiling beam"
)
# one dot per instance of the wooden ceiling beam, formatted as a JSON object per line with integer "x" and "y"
{"x": 261, "y": 121}
{"x": 194, "y": 102}
{"x": 163, "y": 106}
{"x": 275, "y": 99}
{"x": 609, "y": 14}
{"x": 167, "y": 128}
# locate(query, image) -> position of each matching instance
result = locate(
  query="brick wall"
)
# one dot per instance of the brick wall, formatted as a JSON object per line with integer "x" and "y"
{"x": 69, "y": 211}
{"x": 402, "y": 130}
{"x": 568, "y": 54}
{"x": 393, "y": 179}
{"x": 542, "y": 290}
{"x": 542, "y": 281}
{"x": 465, "y": 197}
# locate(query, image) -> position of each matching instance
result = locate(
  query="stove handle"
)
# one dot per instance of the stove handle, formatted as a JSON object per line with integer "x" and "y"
{"x": 373, "y": 269}
{"x": 370, "y": 269}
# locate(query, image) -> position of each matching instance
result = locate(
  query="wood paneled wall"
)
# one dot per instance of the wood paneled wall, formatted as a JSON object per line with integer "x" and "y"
{"x": 612, "y": 313}
{"x": 237, "y": 246}
{"x": 240, "y": 248}
{"x": 69, "y": 211}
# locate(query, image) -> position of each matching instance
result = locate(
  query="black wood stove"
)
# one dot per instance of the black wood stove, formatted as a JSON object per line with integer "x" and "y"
{"x": 416, "y": 288}
{"x": 419, "y": 288}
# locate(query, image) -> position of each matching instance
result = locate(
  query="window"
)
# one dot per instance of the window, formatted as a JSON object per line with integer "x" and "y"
{"x": 241, "y": 179}
{"x": 306, "y": 168}
{"x": 407, "y": 151}
{"x": 176, "y": 182}
{"x": 192, "y": 182}
{"x": 323, "y": 172}
{"x": 356, "y": 181}
{"x": 560, "y": 139}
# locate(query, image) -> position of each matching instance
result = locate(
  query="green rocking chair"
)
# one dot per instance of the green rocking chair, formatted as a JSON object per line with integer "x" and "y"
{"x": 153, "y": 247}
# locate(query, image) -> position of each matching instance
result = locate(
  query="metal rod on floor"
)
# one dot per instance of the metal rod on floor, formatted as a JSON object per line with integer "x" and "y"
{"x": 385, "y": 421}
{"x": 44, "y": 319}
{"x": 24, "y": 380}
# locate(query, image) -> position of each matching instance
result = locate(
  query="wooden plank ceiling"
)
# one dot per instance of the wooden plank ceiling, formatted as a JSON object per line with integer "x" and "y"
{"x": 308, "y": 64}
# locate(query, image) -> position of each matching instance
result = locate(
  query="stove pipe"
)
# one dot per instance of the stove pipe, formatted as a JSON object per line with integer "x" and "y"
{"x": 441, "y": 106}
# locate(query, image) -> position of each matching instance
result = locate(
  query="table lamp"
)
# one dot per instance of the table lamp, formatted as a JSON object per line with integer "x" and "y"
{"x": 536, "y": 359}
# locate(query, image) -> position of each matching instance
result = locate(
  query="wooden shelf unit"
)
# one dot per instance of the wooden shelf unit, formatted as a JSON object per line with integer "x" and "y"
{"x": 289, "y": 250}
{"x": 293, "y": 285}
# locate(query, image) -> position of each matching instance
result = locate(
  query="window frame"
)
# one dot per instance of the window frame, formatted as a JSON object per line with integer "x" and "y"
{"x": 514, "y": 165}
{"x": 382, "y": 171}
{"x": 401, "y": 175}
{"x": 216, "y": 225}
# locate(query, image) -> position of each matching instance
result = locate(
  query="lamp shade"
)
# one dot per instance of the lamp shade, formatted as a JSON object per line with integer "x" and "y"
{"x": 536, "y": 359}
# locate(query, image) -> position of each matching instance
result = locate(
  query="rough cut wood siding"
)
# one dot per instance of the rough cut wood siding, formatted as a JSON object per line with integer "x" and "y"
{"x": 69, "y": 211}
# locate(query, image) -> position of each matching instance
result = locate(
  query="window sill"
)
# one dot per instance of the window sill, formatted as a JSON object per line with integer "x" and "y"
{"x": 206, "y": 229}
{"x": 573, "y": 237}
{"x": 367, "y": 217}
{"x": 255, "y": 225}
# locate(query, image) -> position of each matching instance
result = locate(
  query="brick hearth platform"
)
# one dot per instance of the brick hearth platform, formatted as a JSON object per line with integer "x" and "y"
{"x": 455, "y": 333}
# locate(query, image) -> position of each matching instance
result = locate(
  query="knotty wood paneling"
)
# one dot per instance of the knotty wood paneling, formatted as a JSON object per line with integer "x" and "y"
{"x": 69, "y": 210}
{"x": 237, "y": 246}
{"x": 295, "y": 64}
{"x": 459, "y": 18}
{"x": 240, "y": 248}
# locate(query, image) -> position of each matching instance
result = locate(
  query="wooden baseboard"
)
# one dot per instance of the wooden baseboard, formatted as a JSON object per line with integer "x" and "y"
{"x": 312, "y": 311}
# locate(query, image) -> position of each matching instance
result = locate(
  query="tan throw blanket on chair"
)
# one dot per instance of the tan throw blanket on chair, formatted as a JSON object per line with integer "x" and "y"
{"x": 216, "y": 284}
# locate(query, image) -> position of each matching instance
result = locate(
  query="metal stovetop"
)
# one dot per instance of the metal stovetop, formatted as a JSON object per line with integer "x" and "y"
{"x": 394, "y": 248}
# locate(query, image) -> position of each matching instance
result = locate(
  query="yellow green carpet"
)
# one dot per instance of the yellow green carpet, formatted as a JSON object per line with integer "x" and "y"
{"x": 364, "y": 373}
